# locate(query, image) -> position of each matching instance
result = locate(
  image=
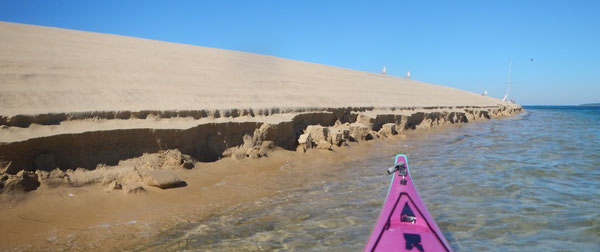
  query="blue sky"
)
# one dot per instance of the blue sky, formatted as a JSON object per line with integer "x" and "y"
{"x": 462, "y": 44}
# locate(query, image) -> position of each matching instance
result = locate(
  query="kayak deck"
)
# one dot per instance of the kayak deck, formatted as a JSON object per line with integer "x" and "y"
{"x": 404, "y": 223}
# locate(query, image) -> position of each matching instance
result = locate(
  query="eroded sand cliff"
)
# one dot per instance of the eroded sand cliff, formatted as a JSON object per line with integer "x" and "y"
{"x": 73, "y": 101}
{"x": 45, "y": 158}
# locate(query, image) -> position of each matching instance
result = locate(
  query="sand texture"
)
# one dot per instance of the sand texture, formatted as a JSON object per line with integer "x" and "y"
{"x": 99, "y": 128}
{"x": 50, "y": 70}
{"x": 72, "y": 99}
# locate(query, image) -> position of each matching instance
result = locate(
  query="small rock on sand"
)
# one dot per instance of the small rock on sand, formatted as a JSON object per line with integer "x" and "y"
{"x": 163, "y": 179}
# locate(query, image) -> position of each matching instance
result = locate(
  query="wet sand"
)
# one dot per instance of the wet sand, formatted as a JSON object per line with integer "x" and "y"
{"x": 93, "y": 218}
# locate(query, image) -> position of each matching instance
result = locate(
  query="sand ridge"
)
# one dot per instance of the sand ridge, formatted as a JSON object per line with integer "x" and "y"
{"x": 73, "y": 99}
{"x": 52, "y": 70}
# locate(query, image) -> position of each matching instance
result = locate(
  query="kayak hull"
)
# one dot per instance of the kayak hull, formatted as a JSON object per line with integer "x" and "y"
{"x": 404, "y": 223}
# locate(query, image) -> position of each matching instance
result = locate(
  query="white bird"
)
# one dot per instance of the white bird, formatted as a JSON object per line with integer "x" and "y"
{"x": 384, "y": 70}
{"x": 407, "y": 75}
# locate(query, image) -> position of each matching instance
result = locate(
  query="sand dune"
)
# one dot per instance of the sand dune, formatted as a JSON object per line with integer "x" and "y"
{"x": 50, "y": 70}
{"x": 72, "y": 99}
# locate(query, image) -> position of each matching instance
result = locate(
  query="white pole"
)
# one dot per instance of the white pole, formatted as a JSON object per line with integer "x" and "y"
{"x": 508, "y": 81}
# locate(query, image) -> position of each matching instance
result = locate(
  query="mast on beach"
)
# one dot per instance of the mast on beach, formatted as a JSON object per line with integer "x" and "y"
{"x": 508, "y": 82}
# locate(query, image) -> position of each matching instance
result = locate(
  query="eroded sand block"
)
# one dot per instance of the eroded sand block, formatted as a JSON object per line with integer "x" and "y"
{"x": 163, "y": 179}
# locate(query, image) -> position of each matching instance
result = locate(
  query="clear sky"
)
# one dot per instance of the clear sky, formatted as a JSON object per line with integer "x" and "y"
{"x": 462, "y": 44}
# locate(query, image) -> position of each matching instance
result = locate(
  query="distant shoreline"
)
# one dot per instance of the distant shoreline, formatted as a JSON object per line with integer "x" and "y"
{"x": 562, "y": 106}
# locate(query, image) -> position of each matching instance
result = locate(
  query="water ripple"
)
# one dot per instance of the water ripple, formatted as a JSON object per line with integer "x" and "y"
{"x": 527, "y": 183}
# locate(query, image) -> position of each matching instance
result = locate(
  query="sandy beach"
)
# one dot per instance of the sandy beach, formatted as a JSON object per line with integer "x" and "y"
{"x": 117, "y": 138}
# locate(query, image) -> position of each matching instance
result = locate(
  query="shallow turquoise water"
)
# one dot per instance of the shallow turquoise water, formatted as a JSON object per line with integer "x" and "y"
{"x": 526, "y": 183}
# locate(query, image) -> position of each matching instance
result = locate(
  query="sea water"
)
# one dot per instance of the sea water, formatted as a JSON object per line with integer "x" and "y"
{"x": 530, "y": 182}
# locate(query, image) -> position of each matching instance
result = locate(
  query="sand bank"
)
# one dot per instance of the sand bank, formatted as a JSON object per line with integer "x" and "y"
{"x": 85, "y": 99}
{"x": 98, "y": 190}
{"x": 120, "y": 120}
{"x": 45, "y": 71}
{"x": 45, "y": 152}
